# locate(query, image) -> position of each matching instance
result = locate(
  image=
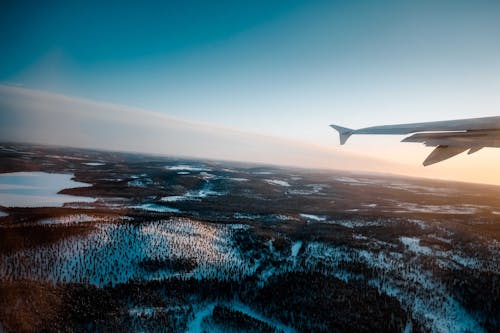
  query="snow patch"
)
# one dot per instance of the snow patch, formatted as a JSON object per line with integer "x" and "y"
{"x": 94, "y": 163}
{"x": 413, "y": 244}
{"x": 437, "y": 209}
{"x": 152, "y": 207}
{"x": 68, "y": 219}
{"x": 141, "y": 182}
{"x": 186, "y": 167}
{"x": 313, "y": 217}
{"x": 277, "y": 182}
{"x": 194, "y": 195}
{"x": 237, "y": 179}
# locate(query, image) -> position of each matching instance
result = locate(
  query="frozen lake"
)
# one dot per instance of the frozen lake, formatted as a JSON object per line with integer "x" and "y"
{"x": 37, "y": 189}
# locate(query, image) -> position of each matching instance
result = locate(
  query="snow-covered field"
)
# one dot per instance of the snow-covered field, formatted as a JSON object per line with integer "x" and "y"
{"x": 428, "y": 299}
{"x": 113, "y": 254}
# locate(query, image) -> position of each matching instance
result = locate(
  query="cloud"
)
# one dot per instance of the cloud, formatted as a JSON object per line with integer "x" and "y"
{"x": 47, "y": 118}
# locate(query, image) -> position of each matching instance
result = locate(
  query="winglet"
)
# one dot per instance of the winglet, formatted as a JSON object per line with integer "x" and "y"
{"x": 344, "y": 133}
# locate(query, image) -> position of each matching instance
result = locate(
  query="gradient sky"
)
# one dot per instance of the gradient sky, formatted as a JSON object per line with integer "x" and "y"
{"x": 281, "y": 68}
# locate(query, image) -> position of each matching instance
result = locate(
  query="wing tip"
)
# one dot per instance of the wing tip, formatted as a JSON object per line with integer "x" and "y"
{"x": 344, "y": 133}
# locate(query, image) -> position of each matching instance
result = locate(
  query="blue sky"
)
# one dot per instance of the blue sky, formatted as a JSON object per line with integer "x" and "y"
{"x": 284, "y": 68}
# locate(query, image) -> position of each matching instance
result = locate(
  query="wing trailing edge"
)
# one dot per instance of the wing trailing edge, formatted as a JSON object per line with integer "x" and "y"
{"x": 450, "y": 137}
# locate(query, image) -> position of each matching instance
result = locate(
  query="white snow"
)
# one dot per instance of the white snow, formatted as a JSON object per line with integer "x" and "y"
{"x": 237, "y": 179}
{"x": 420, "y": 189}
{"x": 347, "y": 179}
{"x": 76, "y": 218}
{"x": 313, "y": 217}
{"x": 38, "y": 189}
{"x": 373, "y": 205}
{"x": 140, "y": 182}
{"x": 309, "y": 190}
{"x": 358, "y": 181}
{"x": 94, "y": 163}
{"x": 243, "y": 216}
{"x": 156, "y": 208}
{"x": 421, "y": 224}
{"x": 437, "y": 209}
{"x": 185, "y": 167}
{"x": 3, "y": 214}
{"x": 354, "y": 224}
{"x": 413, "y": 244}
{"x": 174, "y": 198}
{"x": 194, "y": 194}
{"x": 277, "y": 182}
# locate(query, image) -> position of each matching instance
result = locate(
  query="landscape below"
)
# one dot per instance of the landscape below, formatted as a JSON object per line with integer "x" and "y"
{"x": 106, "y": 241}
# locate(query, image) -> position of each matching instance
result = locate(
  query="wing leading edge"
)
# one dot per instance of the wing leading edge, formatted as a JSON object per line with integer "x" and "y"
{"x": 450, "y": 137}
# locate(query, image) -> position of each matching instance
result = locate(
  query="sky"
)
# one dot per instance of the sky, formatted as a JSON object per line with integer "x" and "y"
{"x": 276, "y": 69}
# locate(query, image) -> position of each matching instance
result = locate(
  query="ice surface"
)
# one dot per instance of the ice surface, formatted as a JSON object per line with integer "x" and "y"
{"x": 38, "y": 189}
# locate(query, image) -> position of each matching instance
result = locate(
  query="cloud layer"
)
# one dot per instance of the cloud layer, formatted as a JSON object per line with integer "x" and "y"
{"x": 47, "y": 118}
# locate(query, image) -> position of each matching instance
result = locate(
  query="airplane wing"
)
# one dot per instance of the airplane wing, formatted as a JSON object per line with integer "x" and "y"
{"x": 450, "y": 137}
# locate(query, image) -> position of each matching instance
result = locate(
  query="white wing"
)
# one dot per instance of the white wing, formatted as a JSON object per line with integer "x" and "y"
{"x": 451, "y": 137}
